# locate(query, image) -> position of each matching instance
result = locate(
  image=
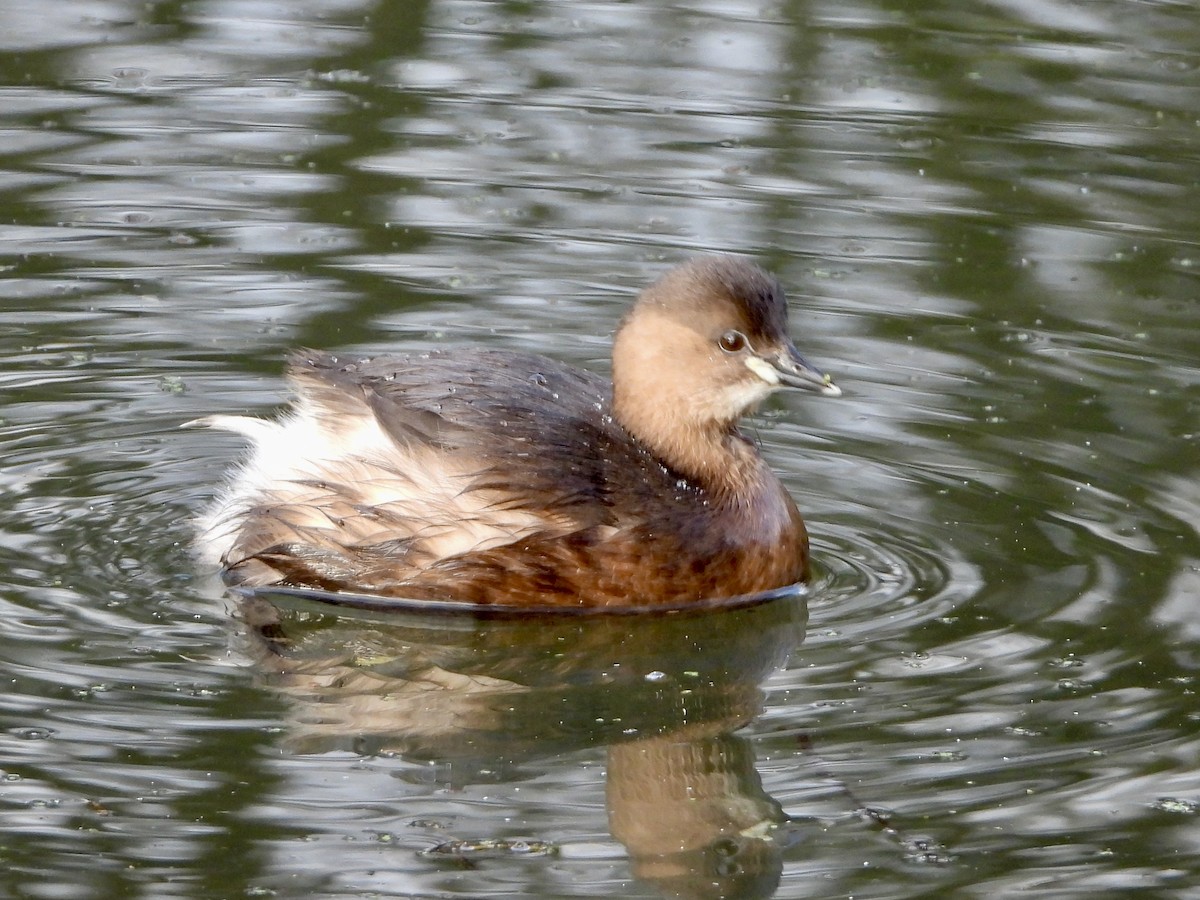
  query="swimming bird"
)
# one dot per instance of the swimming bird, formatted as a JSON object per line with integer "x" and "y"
{"x": 488, "y": 476}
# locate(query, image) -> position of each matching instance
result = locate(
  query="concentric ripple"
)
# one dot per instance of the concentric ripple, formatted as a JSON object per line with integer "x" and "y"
{"x": 871, "y": 581}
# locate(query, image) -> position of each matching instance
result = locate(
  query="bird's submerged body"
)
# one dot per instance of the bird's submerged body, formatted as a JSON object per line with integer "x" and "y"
{"x": 492, "y": 477}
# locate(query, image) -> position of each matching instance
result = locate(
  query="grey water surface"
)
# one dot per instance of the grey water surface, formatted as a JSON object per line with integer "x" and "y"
{"x": 987, "y": 215}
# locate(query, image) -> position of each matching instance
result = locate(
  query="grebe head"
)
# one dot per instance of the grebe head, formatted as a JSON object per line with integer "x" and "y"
{"x": 700, "y": 348}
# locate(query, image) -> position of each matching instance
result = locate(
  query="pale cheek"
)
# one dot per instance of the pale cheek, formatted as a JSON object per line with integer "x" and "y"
{"x": 735, "y": 400}
{"x": 763, "y": 370}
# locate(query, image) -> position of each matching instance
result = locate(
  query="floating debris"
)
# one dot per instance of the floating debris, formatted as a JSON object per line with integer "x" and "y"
{"x": 490, "y": 847}
{"x": 1177, "y": 805}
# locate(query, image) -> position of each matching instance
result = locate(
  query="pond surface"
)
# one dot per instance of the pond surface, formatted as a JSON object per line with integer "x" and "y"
{"x": 986, "y": 217}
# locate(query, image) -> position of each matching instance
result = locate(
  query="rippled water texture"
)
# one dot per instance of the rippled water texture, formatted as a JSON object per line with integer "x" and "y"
{"x": 986, "y": 217}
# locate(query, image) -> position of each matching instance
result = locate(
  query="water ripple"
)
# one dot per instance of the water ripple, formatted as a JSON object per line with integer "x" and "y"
{"x": 872, "y": 582}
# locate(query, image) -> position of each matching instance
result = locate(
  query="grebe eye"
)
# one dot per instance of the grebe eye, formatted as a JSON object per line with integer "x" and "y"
{"x": 732, "y": 341}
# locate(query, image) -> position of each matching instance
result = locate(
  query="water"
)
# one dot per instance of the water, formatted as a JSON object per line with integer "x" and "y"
{"x": 985, "y": 215}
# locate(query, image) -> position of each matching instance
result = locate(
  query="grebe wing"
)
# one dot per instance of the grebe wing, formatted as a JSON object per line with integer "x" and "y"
{"x": 537, "y": 429}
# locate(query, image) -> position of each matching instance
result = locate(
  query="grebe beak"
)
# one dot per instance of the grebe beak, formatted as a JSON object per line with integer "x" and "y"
{"x": 793, "y": 370}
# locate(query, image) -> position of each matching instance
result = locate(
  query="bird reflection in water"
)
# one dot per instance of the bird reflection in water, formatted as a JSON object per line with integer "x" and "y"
{"x": 663, "y": 693}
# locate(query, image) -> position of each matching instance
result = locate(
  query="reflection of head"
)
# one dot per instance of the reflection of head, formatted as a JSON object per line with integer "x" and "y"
{"x": 694, "y": 817}
{"x": 731, "y": 868}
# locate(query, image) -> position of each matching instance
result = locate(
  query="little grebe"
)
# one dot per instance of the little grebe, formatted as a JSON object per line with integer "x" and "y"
{"x": 493, "y": 477}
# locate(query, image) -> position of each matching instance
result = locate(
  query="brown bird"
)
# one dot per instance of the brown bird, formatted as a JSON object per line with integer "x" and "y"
{"x": 493, "y": 477}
